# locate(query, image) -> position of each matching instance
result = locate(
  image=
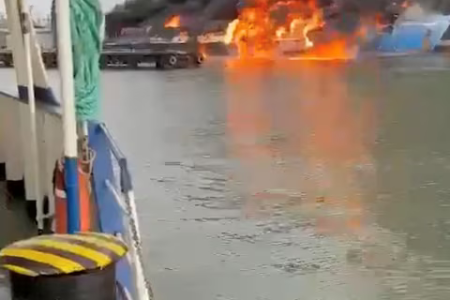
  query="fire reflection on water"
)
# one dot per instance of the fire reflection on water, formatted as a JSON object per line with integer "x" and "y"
{"x": 309, "y": 151}
{"x": 306, "y": 160}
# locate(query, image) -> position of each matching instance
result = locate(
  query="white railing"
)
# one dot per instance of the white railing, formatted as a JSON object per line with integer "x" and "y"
{"x": 16, "y": 154}
{"x": 126, "y": 201}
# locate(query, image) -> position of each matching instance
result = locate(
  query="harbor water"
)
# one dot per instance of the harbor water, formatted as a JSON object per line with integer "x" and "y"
{"x": 289, "y": 180}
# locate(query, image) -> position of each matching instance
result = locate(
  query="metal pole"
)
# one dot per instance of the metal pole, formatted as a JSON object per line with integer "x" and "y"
{"x": 69, "y": 118}
{"x": 25, "y": 26}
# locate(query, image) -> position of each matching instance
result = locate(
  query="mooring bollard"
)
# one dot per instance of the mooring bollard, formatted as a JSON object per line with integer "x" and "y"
{"x": 62, "y": 266}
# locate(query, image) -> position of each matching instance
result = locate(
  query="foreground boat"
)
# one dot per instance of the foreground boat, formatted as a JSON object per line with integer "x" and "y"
{"x": 90, "y": 190}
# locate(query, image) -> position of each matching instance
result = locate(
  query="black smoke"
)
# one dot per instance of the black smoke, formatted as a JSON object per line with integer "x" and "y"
{"x": 368, "y": 6}
{"x": 345, "y": 13}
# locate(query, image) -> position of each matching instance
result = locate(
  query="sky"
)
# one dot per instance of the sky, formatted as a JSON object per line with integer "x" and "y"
{"x": 42, "y": 7}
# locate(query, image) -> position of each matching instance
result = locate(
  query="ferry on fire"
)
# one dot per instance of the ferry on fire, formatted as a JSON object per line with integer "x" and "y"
{"x": 305, "y": 30}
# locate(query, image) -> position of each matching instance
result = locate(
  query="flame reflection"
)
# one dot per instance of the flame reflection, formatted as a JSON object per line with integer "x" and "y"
{"x": 301, "y": 139}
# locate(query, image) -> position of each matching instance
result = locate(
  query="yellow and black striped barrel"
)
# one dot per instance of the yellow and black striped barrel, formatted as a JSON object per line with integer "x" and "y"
{"x": 60, "y": 254}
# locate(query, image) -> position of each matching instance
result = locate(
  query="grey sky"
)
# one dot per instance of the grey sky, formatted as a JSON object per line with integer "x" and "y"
{"x": 42, "y": 7}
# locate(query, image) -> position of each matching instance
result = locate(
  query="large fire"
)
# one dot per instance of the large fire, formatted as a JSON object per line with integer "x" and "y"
{"x": 261, "y": 29}
{"x": 172, "y": 22}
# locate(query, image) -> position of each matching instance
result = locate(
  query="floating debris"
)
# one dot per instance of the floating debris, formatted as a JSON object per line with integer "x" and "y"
{"x": 320, "y": 199}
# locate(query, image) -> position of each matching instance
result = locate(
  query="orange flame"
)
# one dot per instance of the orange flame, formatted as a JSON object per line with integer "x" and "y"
{"x": 229, "y": 35}
{"x": 252, "y": 31}
{"x": 281, "y": 32}
{"x": 337, "y": 49}
{"x": 172, "y": 22}
{"x": 255, "y": 32}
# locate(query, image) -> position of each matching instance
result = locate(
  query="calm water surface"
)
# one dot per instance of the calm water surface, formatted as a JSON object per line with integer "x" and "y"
{"x": 290, "y": 180}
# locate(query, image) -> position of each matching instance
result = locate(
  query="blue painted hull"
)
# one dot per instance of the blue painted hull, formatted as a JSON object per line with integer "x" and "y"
{"x": 411, "y": 37}
{"x": 111, "y": 216}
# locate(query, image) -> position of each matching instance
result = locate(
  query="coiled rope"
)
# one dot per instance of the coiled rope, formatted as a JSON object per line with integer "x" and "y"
{"x": 87, "y": 37}
{"x": 87, "y": 22}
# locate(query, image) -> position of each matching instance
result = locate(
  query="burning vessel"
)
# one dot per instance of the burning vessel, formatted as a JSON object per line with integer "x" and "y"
{"x": 332, "y": 30}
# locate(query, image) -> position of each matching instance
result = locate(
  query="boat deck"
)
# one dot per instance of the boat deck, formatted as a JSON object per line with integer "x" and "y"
{"x": 15, "y": 226}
